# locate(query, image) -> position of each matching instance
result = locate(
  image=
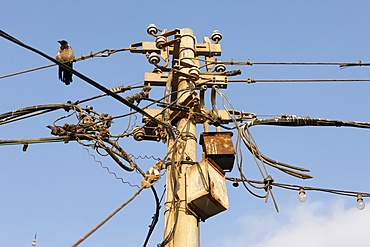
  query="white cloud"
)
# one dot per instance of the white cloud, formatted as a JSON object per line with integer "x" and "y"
{"x": 310, "y": 224}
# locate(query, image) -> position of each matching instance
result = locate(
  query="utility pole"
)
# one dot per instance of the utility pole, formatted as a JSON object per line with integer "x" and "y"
{"x": 183, "y": 227}
{"x": 195, "y": 190}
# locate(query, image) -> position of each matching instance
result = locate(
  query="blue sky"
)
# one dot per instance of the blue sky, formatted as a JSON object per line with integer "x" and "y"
{"x": 60, "y": 192}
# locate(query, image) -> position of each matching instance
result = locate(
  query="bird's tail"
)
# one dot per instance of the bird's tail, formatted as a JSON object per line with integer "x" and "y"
{"x": 67, "y": 76}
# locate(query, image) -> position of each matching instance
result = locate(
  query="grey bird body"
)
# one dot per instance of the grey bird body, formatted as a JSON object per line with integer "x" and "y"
{"x": 65, "y": 55}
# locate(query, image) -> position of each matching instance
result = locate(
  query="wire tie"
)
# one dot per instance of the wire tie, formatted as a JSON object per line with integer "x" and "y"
{"x": 66, "y": 139}
{"x": 267, "y": 181}
{"x": 25, "y": 146}
{"x": 250, "y": 80}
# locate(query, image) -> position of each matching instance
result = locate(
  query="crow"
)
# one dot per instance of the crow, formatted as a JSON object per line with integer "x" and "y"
{"x": 65, "y": 55}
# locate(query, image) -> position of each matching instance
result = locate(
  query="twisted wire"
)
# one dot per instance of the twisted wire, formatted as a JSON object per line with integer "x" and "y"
{"x": 144, "y": 157}
{"x": 108, "y": 170}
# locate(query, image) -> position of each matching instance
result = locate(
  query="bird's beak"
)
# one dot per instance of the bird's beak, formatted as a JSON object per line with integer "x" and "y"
{"x": 60, "y": 42}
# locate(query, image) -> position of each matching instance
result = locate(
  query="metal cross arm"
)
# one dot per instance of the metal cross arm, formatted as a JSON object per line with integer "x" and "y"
{"x": 201, "y": 49}
{"x": 208, "y": 79}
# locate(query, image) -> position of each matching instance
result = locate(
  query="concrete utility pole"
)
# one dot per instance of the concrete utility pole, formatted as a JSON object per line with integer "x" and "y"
{"x": 183, "y": 227}
{"x": 195, "y": 190}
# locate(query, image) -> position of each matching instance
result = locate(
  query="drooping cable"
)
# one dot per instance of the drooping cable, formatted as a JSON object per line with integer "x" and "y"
{"x": 286, "y": 168}
{"x": 107, "y": 218}
{"x": 239, "y": 153}
{"x": 297, "y": 187}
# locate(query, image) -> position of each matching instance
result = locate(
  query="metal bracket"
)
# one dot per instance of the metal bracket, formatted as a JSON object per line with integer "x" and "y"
{"x": 201, "y": 49}
{"x": 148, "y": 133}
{"x": 205, "y": 78}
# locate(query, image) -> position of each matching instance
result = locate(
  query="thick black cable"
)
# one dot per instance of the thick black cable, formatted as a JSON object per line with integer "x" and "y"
{"x": 299, "y": 121}
{"x": 88, "y": 80}
{"x": 158, "y": 102}
{"x": 122, "y": 89}
{"x": 155, "y": 218}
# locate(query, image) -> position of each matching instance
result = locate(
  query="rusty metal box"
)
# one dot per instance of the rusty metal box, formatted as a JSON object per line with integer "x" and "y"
{"x": 206, "y": 190}
{"x": 219, "y": 147}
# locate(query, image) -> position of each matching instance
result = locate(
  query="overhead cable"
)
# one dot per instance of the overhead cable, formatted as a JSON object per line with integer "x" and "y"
{"x": 297, "y": 187}
{"x": 297, "y": 121}
{"x": 251, "y": 80}
{"x": 88, "y": 80}
{"x": 107, "y": 218}
{"x": 102, "y": 53}
{"x": 250, "y": 63}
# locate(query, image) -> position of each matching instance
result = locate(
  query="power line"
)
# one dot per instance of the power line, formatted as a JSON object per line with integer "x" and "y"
{"x": 27, "y": 71}
{"x": 107, "y": 218}
{"x": 251, "y": 80}
{"x": 102, "y": 53}
{"x": 294, "y": 120}
{"x": 250, "y": 63}
{"x": 34, "y": 140}
{"x": 298, "y": 187}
